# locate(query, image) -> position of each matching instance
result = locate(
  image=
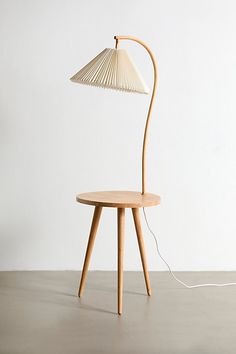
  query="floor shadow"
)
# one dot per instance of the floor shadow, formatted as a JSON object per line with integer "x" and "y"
{"x": 96, "y": 309}
{"x": 65, "y": 294}
{"x": 113, "y": 290}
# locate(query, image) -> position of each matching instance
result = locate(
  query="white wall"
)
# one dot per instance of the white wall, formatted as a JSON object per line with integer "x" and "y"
{"x": 58, "y": 138}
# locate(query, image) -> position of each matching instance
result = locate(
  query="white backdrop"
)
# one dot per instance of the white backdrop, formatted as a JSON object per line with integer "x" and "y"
{"x": 58, "y": 138}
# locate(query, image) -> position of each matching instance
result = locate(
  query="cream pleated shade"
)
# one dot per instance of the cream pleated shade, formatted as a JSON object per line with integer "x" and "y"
{"x": 114, "y": 69}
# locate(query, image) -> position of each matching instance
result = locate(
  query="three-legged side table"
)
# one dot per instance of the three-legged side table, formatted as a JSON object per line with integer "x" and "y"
{"x": 120, "y": 200}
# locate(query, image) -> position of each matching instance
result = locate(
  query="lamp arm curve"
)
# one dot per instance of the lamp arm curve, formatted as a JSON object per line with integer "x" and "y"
{"x": 118, "y": 38}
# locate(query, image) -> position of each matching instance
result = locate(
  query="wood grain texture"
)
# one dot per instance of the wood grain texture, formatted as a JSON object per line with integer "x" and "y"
{"x": 92, "y": 235}
{"x": 139, "y": 233}
{"x": 121, "y": 230}
{"x": 119, "y": 199}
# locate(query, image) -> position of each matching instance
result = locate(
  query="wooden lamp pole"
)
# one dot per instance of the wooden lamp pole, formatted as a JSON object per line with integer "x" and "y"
{"x": 118, "y": 38}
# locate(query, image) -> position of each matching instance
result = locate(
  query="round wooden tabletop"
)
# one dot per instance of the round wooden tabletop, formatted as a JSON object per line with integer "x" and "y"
{"x": 119, "y": 199}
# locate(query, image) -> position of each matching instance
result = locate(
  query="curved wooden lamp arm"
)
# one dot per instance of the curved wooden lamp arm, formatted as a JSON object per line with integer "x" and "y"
{"x": 117, "y": 38}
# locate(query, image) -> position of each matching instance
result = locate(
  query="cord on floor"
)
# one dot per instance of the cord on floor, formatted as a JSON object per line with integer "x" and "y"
{"x": 169, "y": 268}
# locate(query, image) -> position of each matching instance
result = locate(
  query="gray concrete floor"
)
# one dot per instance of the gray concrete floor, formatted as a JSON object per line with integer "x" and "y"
{"x": 40, "y": 314}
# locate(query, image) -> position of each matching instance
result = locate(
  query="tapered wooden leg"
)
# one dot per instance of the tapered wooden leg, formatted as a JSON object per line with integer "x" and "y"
{"x": 92, "y": 235}
{"x": 121, "y": 226}
{"x": 141, "y": 248}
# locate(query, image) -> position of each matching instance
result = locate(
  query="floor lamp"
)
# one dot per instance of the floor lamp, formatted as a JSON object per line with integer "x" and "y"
{"x": 114, "y": 69}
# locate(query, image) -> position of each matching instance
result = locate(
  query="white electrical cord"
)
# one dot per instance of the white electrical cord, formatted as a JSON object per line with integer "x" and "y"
{"x": 171, "y": 272}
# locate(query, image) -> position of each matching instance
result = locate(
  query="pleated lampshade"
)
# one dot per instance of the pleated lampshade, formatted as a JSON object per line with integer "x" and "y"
{"x": 114, "y": 69}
